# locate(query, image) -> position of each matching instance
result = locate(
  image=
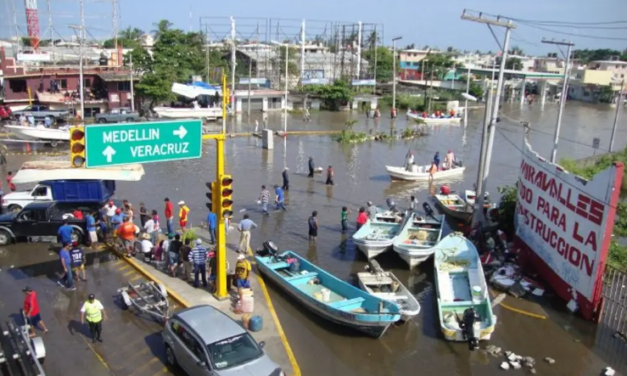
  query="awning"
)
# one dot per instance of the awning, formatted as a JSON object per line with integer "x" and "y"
{"x": 118, "y": 77}
{"x": 36, "y": 171}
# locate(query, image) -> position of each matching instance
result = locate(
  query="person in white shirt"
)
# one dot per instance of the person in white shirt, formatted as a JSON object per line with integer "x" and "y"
{"x": 109, "y": 210}
{"x": 413, "y": 203}
{"x": 256, "y": 125}
{"x": 149, "y": 228}
{"x": 449, "y": 160}
{"x": 147, "y": 246}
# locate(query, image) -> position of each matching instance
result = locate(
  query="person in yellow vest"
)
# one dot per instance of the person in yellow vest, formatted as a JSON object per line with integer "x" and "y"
{"x": 93, "y": 311}
{"x": 183, "y": 215}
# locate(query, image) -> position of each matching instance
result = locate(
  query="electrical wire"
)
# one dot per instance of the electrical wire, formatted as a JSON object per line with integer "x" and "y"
{"x": 572, "y": 34}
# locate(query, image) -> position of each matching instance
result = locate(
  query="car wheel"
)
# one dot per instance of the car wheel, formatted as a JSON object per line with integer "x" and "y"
{"x": 130, "y": 120}
{"x": 54, "y": 144}
{"x": 169, "y": 356}
{"x": 15, "y": 208}
{"x": 5, "y": 237}
{"x": 77, "y": 237}
{"x": 102, "y": 121}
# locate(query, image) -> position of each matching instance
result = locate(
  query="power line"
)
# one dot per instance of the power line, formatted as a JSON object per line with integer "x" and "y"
{"x": 572, "y": 34}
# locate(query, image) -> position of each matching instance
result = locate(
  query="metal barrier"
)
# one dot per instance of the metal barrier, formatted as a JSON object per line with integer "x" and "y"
{"x": 611, "y": 336}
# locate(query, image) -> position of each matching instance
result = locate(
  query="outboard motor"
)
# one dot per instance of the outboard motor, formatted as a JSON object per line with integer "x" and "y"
{"x": 269, "y": 249}
{"x": 391, "y": 204}
{"x": 467, "y": 325}
{"x": 458, "y": 163}
{"x": 428, "y": 210}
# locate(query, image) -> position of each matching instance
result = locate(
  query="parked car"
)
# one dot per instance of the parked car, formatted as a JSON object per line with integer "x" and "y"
{"x": 60, "y": 190}
{"x": 223, "y": 348}
{"x": 40, "y": 221}
{"x": 117, "y": 115}
{"x": 5, "y": 112}
{"x": 41, "y": 112}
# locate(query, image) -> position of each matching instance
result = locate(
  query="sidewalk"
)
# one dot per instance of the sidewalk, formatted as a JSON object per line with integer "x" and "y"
{"x": 276, "y": 345}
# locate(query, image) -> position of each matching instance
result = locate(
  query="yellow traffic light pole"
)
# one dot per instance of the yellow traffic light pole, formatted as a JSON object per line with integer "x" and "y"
{"x": 220, "y": 290}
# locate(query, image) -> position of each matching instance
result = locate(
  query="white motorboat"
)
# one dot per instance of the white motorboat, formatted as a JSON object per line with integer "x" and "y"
{"x": 415, "y": 242}
{"x": 422, "y": 173}
{"x": 209, "y": 113}
{"x": 374, "y": 238}
{"x": 455, "y": 120}
{"x": 386, "y": 286}
{"x": 470, "y": 196}
{"x": 39, "y": 133}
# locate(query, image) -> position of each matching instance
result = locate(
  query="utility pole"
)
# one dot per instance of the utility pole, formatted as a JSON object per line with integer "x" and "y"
{"x": 618, "y": 107}
{"x": 207, "y": 54}
{"x": 115, "y": 25}
{"x": 376, "y": 36}
{"x": 132, "y": 89}
{"x": 484, "y": 166}
{"x": 81, "y": 37}
{"x": 287, "y": 58}
{"x": 302, "y": 52}
{"x": 564, "y": 95}
{"x": 394, "y": 71}
{"x": 233, "y": 64}
{"x": 358, "y": 50}
{"x": 466, "y": 103}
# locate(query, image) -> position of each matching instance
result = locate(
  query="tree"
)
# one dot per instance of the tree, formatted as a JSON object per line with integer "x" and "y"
{"x": 586, "y": 55}
{"x": 606, "y": 95}
{"x": 552, "y": 54}
{"x": 124, "y": 42}
{"x": 385, "y": 63}
{"x": 292, "y": 67}
{"x": 437, "y": 65}
{"x": 372, "y": 39}
{"x": 514, "y": 63}
{"x": 515, "y": 50}
{"x": 333, "y": 96}
{"x": 162, "y": 27}
{"x": 475, "y": 90}
{"x": 410, "y": 46}
{"x": 450, "y": 49}
{"x": 131, "y": 33}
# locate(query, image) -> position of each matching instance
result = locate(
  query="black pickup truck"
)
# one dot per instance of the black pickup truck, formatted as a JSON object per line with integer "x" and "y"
{"x": 40, "y": 221}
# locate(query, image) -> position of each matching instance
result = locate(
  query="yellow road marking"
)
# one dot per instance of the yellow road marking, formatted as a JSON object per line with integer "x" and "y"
{"x": 286, "y": 344}
{"x": 144, "y": 365}
{"x": 100, "y": 358}
{"x": 139, "y": 276}
{"x": 164, "y": 370}
{"x": 124, "y": 267}
{"x": 129, "y": 273}
{"x": 521, "y": 311}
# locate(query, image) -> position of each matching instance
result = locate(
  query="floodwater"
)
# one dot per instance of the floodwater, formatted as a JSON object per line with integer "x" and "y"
{"x": 360, "y": 176}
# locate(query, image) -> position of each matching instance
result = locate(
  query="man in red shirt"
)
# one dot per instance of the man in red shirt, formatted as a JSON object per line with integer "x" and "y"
{"x": 169, "y": 215}
{"x": 31, "y": 309}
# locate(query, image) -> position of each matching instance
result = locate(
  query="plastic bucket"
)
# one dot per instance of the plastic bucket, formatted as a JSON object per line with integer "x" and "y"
{"x": 326, "y": 294}
{"x": 248, "y": 304}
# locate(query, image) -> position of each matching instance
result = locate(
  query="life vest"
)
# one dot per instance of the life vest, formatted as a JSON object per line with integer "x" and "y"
{"x": 92, "y": 311}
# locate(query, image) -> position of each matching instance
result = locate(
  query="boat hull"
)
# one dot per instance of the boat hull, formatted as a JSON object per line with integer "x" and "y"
{"x": 374, "y": 327}
{"x": 436, "y": 121}
{"x": 187, "y": 113}
{"x": 461, "y": 215}
{"x": 34, "y": 133}
{"x": 408, "y": 313}
{"x": 371, "y": 249}
{"x": 400, "y": 173}
{"x": 414, "y": 255}
{"x": 458, "y": 336}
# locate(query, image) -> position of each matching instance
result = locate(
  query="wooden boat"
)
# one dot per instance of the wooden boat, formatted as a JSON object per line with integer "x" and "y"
{"x": 454, "y": 206}
{"x": 435, "y": 121}
{"x": 462, "y": 293}
{"x": 327, "y": 295}
{"x": 422, "y": 174}
{"x": 470, "y": 197}
{"x": 375, "y": 237}
{"x": 389, "y": 216}
{"x": 416, "y": 240}
{"x": 386, "y": 286}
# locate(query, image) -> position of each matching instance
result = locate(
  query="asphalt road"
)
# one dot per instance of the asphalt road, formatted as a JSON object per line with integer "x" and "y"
{"x": 131, "y": 342}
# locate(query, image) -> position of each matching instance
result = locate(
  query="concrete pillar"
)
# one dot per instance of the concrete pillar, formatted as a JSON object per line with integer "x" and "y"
{"x": 283, "y": 103}
{"x": 238, "y": 105}
{"x": 267, "y": 137}
{"x": 522, "y": 91}
{"x": 542, "y": 93}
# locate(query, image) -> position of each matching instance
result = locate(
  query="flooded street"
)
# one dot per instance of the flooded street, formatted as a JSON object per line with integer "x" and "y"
{"x": 416, "y": 347}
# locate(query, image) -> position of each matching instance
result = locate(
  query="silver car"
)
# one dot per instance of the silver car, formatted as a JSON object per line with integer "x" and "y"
{"x": 206, "y": 342}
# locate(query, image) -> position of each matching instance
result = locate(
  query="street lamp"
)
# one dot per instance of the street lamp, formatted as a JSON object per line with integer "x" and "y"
{"x": 394, "y": 72}
{"x": 81, "y": 81}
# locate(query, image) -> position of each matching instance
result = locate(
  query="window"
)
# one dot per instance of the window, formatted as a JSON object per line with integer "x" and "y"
{"x": 40, "y": 192}
{"x": 234, "y": 351}
{"x": 18, "y": 86}
{"x": 63, "y": 83}
{"x": 124, "y": 86}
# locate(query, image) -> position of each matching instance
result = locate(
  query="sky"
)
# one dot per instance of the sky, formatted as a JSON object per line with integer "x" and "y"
{"x": 435, "y": 23}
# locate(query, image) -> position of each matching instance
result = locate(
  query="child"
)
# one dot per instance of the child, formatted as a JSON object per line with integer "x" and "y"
{"x": 345, "y": 213}
{"x": 362, "y": 217}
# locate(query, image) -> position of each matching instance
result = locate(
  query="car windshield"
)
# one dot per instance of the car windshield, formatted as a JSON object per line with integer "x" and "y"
{"x": 234, "y": 351}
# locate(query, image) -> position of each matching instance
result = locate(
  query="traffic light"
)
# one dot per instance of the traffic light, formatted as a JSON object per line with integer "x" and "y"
{"x": 212, "y": 196}
{"x": 77, "y": 147}
{"x": 226, "y": 194}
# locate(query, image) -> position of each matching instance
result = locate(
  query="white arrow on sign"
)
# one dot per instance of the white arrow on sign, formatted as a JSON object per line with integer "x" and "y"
{"x": 181, "y": 132}
{"x": 109, "y": 152}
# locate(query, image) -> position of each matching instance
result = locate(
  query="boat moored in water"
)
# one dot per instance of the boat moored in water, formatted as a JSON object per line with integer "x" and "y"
{"x": 39, "y": 133}
{"x": 326, "y": 295}
{"x": 417, "y": 238}
{"x": 422, "y": 173}
{"x": 386, "y": 286}
{"x": 454, "y": 206}
{"x": 376, "y": 237}
{"x": 463, "y": 299}
{"x": 452, "y": 120}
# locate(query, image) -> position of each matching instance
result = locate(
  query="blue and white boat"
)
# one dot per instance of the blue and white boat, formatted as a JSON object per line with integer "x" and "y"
{"x": 416, "y": 241}
{"x": 327, "y": 295}
{"x": 374, "y": 237}
{"x": 462, "y": 293}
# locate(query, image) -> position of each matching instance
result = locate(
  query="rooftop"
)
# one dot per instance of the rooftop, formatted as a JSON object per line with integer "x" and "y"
{"x": 617, "y": 62}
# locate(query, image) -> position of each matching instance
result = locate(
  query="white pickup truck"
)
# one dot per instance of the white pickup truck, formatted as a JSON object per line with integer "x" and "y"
{"x": 15, "y": 201}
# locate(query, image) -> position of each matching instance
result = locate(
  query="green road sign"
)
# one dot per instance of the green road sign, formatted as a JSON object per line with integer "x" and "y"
{"x": 118, "y": 144}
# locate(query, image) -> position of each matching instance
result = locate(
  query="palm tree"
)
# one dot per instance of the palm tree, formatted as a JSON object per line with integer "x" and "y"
{"x": 372, "y": 39}
{"x": 131, "y": 33}
{"x": 162, "y": 27}
{"x": 410, "y": 46}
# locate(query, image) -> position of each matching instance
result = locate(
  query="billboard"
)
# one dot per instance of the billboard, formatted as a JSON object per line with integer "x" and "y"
{"x": 364, "y": 82}
{"x": 564, "y": 226}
